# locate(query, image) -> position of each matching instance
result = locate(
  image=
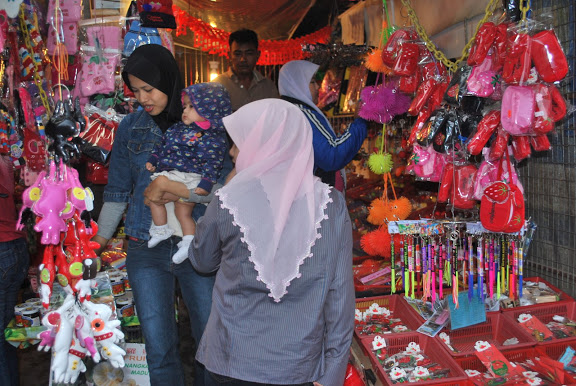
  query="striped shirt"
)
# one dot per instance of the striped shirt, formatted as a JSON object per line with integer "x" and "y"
{"x": 306, "y": 336}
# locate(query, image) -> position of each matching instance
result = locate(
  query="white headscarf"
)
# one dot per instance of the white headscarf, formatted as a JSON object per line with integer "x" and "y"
{"x": 274, "y": 198}
{"x": 294, "y": 81}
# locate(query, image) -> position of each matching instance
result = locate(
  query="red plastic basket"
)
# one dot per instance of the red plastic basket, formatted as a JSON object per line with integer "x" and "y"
{"x": 396, "y": 343}
{"x": 397, "y": 306}
{"x": 563, "y": 297}
{"x": 545, "y": 313}
{"x": 513, "y": 355}
{"x": 363, "y": 290}
{"x": 556, "y": 348}
{"x": 495, "y": 330}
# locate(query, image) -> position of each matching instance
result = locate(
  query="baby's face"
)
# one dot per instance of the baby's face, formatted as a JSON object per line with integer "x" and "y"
{"x": 190, "y": 114}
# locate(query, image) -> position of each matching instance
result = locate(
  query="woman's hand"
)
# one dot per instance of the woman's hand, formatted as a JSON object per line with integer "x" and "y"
{"x": 150, "y": 167}
{"x": 102, "y": 241}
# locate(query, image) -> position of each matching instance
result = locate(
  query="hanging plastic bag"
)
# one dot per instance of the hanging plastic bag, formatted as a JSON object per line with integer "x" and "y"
{"x": 138, "y": 36}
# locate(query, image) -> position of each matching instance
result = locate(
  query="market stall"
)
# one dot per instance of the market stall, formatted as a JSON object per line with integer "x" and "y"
{"x": 441, "y": 214}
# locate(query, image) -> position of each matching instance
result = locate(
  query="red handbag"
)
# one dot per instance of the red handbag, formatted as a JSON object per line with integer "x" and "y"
{"x": 502, "y": 205}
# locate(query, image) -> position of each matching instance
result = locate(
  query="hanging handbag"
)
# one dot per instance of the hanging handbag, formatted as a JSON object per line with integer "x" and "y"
{"x": 502, "y": 205}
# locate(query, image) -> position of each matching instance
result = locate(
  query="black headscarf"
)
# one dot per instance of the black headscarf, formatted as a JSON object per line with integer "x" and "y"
{"x": 156, "y": 66}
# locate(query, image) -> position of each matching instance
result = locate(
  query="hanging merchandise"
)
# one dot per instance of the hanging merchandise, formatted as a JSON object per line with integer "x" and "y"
{"x": 101, "y": 56}
{"x": 76, "y": 330}
{"x": 502, "y": 205}
{"x": 457, "y": 185}
{"x": 138, "y": 35}
{"x": 382, "y": 102}
{"x": 426, "y": 164}
{"x": 156, "y": 14}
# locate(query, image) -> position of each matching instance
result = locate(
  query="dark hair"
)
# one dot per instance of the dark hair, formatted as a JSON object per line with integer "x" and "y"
{"x": 243, "y": 36}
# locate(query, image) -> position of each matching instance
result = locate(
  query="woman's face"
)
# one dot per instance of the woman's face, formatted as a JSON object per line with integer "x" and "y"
{"x": 234, "y": 153}
{"x": 314, "y": 90}
{"x": 152, "y": 100}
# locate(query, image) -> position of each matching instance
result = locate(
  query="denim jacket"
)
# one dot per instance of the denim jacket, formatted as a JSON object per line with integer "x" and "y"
{"x": 127, "y": 175}
{"x": 135, "y": 139}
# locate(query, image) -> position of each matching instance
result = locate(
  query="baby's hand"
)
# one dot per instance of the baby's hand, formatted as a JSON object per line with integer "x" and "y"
{"x": 150, "y": 167}
{"x": 201, "y": 192}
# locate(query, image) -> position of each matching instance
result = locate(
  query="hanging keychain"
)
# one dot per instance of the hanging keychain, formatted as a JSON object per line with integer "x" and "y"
{"x": 434, "y": 263}
{"x": 512, "y": 279}
{"x": 497, "y": 266}
{"x": 470, "y": 269}
{"x": 503, "y": 254}
{"x": 508, "y": 263}
{"x": 454, "y": 239}
{"x": 406, "y": 269}
{"x": 393, "y": 267}
{"x": 492, "y": 267}
{"x": 429, "y": 262}
{"x": 480, "y": 262}
{"x": 418, "y": 262}
{"x": 520, "y": 269}
{"x": 441, "y": 269}
{"x": 411, "y": 264}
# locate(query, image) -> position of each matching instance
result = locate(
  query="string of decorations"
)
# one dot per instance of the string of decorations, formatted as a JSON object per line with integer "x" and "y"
{"x": 273, "y": 52}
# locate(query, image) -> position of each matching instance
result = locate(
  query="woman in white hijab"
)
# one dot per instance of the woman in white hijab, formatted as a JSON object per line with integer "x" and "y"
{"x": 281, "y": 240}
{"x": 297, "y": 85}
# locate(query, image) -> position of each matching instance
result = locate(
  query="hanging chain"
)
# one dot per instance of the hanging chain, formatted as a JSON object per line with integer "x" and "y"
{"x": 439, "y": 55}
{"x": 26, "y": 35}
{"x": 524, "y": 7}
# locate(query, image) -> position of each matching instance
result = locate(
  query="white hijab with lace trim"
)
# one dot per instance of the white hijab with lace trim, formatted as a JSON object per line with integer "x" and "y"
{"x": 274, "y": 198}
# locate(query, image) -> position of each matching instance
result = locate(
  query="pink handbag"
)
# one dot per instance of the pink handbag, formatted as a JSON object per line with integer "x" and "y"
{"x": 481, "y": 79}
{"x": 518, "y": 104}
{"x": 427, "y": 164}
{"x": 488, "y": 174}
{"x": 101, "y": 56}
{"x": 70, "y": 35}
{"x": 71, "y": 10}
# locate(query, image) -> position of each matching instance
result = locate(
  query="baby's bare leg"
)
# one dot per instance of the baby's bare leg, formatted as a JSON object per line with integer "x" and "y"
{"x": 183, "y": 212}
{"x": 159, "y": 216}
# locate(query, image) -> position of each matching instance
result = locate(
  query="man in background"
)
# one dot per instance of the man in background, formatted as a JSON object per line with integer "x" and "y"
{"x": 243, "y": 82}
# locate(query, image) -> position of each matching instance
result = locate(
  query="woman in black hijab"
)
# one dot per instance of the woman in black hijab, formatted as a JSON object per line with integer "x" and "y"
{"x": 152, "y": 74}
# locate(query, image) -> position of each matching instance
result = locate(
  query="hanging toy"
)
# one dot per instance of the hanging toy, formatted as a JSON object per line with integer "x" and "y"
{"x": 381, "y": 162}
{"x": 106, "y": 333}
{"x": 75, "y": 331}
{"x": 383, "y": 102}
{"x": 66, "y": 123}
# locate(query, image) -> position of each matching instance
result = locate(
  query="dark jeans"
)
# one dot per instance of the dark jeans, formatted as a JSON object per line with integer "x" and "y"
{"x": 14, "y": 262}
{"x": 153, "y": 279}
{"x": 216, "y": 379}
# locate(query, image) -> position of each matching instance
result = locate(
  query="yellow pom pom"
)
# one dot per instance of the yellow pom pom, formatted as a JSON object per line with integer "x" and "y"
{"x": 380, "y": 163}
